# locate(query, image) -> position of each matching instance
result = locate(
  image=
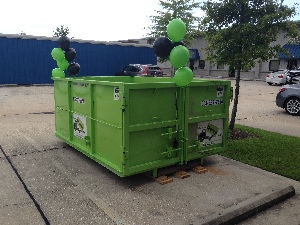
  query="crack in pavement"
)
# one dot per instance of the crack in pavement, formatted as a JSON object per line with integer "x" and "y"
{"x": 26, "y": 188}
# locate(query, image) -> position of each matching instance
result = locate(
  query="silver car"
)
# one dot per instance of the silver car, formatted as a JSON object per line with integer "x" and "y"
{"x": 288, "y": 98}
{"x": 277, "y": 77}
{"x": 293, "y": 77}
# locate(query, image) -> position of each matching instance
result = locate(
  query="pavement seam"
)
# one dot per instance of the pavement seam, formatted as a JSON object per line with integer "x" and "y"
{"x": 26, "y": 188}
{"x": 30, "y": 113}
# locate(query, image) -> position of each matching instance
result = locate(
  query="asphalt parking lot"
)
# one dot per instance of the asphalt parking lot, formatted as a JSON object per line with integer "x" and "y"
{"x": 44, "y": 181}
{"x": 257, "y": 108}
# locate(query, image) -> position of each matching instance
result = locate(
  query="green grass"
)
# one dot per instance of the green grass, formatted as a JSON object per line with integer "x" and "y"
{"x": 270, "y": 151}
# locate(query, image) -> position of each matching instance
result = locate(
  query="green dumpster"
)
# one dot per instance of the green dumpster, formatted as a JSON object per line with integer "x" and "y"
{"x": 132, "y": 125}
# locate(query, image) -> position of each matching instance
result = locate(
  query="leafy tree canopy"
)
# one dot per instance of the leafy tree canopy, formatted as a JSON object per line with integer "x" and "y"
{"x": 243, "y": 30}
{"x": 175, "y": 9}
{"x": 61, "y": 31}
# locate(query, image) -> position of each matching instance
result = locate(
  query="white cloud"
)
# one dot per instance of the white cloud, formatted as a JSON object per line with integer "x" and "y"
{"x": 89, "y": 19}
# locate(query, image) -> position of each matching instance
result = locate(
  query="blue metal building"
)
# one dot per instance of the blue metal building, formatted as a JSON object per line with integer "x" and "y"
{"x": 27, "y": 59}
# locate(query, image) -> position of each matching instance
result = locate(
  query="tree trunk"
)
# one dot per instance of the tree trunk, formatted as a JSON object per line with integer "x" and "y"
{"x": 236, "y": 97}
{"x": 172, "y": 71}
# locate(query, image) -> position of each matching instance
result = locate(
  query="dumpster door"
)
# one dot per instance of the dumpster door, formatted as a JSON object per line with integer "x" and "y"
{"x": 151, "y": 127}
{"x": 206, "y": 118}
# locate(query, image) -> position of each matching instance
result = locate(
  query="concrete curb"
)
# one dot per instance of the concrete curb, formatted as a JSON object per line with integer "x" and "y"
{"x": 248, "y": 208}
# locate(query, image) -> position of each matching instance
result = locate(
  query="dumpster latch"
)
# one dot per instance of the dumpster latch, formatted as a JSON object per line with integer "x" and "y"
{"x": 169, "y": 151}
{"x": 197, "y": 145}
{"x": 169, "y": 133}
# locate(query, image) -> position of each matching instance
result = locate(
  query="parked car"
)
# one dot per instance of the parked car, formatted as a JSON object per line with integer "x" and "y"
{"x": 277, "y": 77}
{"x": 293, "y": 76}
{"x": 155, "y": 71}
{"x": 141, "y": 70}
{"x": 288, "y": 98}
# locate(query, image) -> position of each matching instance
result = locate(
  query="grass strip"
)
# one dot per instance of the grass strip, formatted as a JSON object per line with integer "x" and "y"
{"x": 274, "y": 152}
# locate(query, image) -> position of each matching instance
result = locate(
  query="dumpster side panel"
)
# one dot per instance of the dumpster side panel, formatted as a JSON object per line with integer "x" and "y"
{"x": 108, "y": 147}
{"x": 152, "y": 105}
{"x": 61, "y": 94}
{"x": 62, "y": 123}
{"x": 134, "y": 125}
{"x": 151, "y": 149}
{"x": 81, "y": 97}
{"x": 108, "y": 118}
{"x": 62, "y": 115}
{"x": 108, "y": 104}
{"x": 207, "y": 111}
{"x": 206, "y": 99}
{"x": 151, "y": 128}
{"x": 89, "y": 118}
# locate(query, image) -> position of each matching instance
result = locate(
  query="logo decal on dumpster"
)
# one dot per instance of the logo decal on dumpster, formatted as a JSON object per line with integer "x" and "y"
{"x": 78, "y": 100}
{"x": 210, "y": 132}
{"x": 80, "y": 128}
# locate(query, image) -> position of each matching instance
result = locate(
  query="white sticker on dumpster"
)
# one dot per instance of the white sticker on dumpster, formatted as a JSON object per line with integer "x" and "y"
{"x": 220, "y": 91}
{"x": 80, "y": 128}
{"x": 212, "y": 102}
{"x": 210, "y": 132}
{"x": 116, "y": 93}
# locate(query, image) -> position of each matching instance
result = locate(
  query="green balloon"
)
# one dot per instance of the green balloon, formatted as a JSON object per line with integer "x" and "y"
{"x": 176, "y": 30}
{"x": 57, "y": 72}
{"x": 183, "y": 76}
{"x": 179, "y": 56}
{"x": 58, "y": 54}
{"x": 63, "y": 65}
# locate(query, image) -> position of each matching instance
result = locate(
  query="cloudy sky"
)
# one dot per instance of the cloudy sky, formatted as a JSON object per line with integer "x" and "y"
{"x": 109, "y": 20}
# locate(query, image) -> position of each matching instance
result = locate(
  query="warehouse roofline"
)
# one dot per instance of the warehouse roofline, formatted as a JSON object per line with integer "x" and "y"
{"x": 40, "y": 38}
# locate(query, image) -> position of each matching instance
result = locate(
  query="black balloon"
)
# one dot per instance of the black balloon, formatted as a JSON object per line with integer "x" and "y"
{"x": 178, "y": 43}
{"x": 73, "y": 68}
{"x": 64, "y": 43}
{"x": 70, "y": 54}
{"x": 162, "y": 47}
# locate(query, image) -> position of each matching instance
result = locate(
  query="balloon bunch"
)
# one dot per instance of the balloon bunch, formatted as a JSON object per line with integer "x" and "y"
{"x": 64, "y": 55}
{"x": 174, "y": 49}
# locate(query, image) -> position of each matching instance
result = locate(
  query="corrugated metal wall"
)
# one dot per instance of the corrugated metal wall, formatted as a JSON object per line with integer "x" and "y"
{"x": 29, "y": 61}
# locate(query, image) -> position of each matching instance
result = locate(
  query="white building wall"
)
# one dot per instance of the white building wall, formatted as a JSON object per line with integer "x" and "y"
{"x": 259, "y": 71}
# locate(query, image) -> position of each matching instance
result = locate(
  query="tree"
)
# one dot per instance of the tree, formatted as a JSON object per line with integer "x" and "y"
{"x": 295, "y": 40}
{"x": 240, "y": 33}
{"x": 175, "y": 9}
{"x": 61, "y": 31}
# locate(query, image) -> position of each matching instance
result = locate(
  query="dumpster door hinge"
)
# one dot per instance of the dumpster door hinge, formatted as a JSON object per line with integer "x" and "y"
{"x": 125, "y": 155}
{"x": 123, "y": 104}
{"x": 87, "y": 140}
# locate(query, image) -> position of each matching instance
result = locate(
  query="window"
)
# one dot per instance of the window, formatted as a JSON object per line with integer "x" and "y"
{"x": 127, "y": 68}
{"x": 292, "y": 65}
{"x": 274, "y": 65}
{"x": 220, "y": 67}
{"x": 201, "y": 64}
